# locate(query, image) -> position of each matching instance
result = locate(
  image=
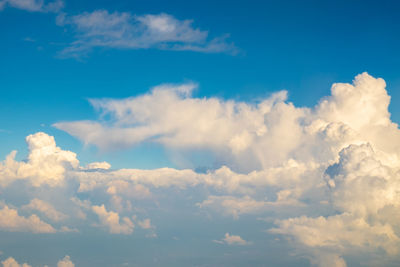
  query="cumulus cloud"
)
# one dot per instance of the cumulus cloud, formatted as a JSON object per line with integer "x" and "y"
{"x": 46, "y": 163}
{"x": 336, "y": 165}
{"x": 111, "y": 220}
{"x": 34, "y": 5}
{"x": 65, "y": 262}
{"x": 45, "y": 208}
{"x": 124, "y": 30}
{"x": 11, "y": 221}
{"x": 328, "y": 176}
{"x": 267, "y": 134}
{"x": 232, "y": 240}
{"x": 11, "y": 262}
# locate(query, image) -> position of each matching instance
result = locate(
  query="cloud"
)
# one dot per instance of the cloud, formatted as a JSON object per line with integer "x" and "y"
{"x": 98, "y": 165}
{"x": 234, "y": 206}
{"x": 33, "y": 5}
{"x": 111, "y": 220}
{"x": 124, "y": 30}
{"x": 246, "y": 136}
{"x": 329, "y": 173}
{"x": 65, "y": 262}
{"x": 11, "y": 262}
{"x": 233, "y": 240}
{"x": 46, "y": 163}
{"x": 365, "y": 192}
{"x": 145, "y": 224}
{"x": 45, "y": 208}
{"x": 11, "y": 221}
{"x": 327, "y": 176}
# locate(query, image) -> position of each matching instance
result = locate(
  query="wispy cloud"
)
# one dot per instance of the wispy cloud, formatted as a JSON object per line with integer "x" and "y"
{"x": 33, "y": 5}
{"x": 124, "y": 30}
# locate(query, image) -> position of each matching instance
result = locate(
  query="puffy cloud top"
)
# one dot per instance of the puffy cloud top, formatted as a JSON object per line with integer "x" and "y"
{"x": 330, "y": 175}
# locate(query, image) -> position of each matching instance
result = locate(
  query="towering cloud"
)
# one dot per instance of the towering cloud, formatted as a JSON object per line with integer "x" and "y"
{"x": 328, "y": 176}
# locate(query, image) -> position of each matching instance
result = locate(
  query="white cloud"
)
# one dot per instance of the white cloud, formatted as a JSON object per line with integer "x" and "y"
{"x": 101, "y": 28}
{"x": 11, "y": 221}
{"x": 11, "y": 262}
{"x": 233, "y": 240}
{"x": 121, "y": 187}
{"x": 98, "y": 165}
{"x": 34, "y": 5}
{"x": 65, "y": 262}
{"x": 46, "y": 163}
{"x": 235, "y": 206}
{"x": 330, "y": 174}
{"x": 336, "y": 165}
{"x": 111, "y": 220}
{"x": 45, "y": 208}
{"x": 247, "y": 136}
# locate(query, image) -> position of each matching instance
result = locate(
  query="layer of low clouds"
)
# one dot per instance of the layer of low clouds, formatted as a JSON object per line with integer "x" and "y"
{"x": 327, "y": 176}
{"x": 124, "y": 30}
{"x": 11, "y": 262}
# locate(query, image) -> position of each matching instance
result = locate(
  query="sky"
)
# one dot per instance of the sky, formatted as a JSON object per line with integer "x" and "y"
{"x": 199, "y": 133}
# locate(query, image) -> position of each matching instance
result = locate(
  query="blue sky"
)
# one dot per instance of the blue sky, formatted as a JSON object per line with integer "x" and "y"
{"x": 197, "y": 86}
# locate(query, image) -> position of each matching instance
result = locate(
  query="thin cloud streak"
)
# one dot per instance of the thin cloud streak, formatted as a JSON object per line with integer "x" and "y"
{"x": 123, "y": 30}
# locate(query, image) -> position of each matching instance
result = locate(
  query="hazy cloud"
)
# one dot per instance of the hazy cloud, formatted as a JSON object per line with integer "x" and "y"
{"x": 124, "y": 30}
{"x": 34, "y": 5}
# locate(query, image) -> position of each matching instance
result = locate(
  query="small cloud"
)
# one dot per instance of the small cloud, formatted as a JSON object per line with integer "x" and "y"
{"x": 11, "y": 262}
{"x": 233, "y": 240}
{"x": 29, "y": 39}
{"x": 11, "y": 221}
{"x": 65, "y": 262}
{"x": 45, "y": 208}
{"x": 111, "y": 220}
{"x": 145, "y": 224}
{"x": 66, "y": 229}
{"x": 33, "y": 5}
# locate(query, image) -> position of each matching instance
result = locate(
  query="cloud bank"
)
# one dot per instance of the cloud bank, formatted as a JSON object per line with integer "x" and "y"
{"x": 327, "y": 176}
{"x": 11, "y": 262}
